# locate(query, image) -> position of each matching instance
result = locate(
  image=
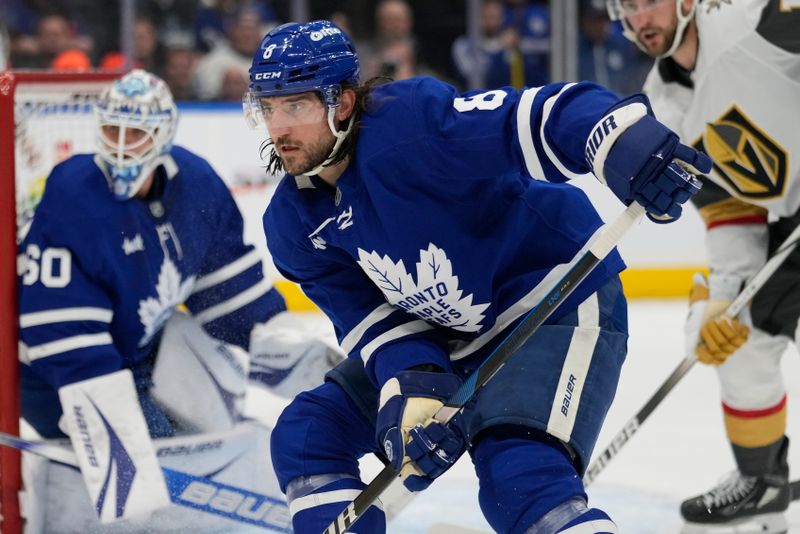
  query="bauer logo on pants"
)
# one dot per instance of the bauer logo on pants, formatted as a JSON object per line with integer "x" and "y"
{"x": 751, "y": 163}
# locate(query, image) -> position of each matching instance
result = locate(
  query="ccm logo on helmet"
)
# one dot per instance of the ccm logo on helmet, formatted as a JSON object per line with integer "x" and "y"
{"x": 267, "y": 75}
{"x": 324, "y": 32}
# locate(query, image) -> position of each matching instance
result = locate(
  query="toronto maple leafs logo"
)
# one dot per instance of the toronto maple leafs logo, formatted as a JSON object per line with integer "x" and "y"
{"x": 434, "y": 297}
{"x": 171, "y": 291}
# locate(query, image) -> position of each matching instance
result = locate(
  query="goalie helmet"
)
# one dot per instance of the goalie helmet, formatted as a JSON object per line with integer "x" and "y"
{"x": 136, "y": 124}
{"x": 622, "y": 9}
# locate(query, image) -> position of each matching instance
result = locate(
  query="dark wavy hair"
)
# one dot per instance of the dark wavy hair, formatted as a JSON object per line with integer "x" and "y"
{"x": 364, "y": 102}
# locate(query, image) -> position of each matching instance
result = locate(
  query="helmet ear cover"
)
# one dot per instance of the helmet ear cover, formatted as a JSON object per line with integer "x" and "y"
{"x": 136, "y": 122}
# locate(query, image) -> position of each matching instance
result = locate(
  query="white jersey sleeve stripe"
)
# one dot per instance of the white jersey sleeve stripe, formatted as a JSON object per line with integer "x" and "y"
{"x": 229, "y": 271}
{"x": 522, "y": 306}
{"x": 67, "y": 344}
{"x": 320, "y": 499}
{"x": 395, "y": 333}
{"x": 546, "y": 109}
{"x": 101, "y": 315}
{"x": 242, "y": 299}
{"x": 525, "y": 134}
{"x": 354, "y": 336}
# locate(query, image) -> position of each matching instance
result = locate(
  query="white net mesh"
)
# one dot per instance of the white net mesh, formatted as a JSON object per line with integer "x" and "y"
{"x": 53, "y": 121}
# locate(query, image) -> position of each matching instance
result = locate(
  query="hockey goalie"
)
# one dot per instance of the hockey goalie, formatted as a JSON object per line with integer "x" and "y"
{"x": 123, "y": 239}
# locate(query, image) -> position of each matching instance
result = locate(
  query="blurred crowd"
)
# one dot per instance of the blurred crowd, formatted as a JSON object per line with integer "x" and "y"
{"x": 203, "y": 48}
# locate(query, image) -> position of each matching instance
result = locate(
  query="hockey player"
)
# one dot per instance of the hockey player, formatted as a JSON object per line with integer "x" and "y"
{"x": 120, "y": 239}
{"x": 727, "y": 80}
{"x": 425, "y": 223}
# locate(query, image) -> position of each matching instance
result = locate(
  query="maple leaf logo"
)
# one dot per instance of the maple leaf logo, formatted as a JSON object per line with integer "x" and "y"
{"x": 171, "y": 291}
{"x": 434, "y": 297}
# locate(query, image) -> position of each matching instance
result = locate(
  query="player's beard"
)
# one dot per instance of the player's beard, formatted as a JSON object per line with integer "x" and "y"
{"x": 661, "y": 46}
{"x": 307, "y": 156}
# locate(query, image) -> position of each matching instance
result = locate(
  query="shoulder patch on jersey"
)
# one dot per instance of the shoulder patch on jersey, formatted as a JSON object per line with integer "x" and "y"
{"x": 751, "y": 163}
{"x": 434, "y": 297}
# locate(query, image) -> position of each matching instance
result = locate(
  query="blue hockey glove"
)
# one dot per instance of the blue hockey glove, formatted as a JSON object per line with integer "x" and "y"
{"x": 642, "y": 160}
{"x": 416, "y": 445}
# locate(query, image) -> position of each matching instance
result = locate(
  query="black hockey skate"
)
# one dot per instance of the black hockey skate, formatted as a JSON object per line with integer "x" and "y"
{"x": 740, "y": 505}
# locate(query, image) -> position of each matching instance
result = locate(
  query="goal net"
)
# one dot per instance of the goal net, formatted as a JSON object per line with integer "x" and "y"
{"x": 45, "y": 117}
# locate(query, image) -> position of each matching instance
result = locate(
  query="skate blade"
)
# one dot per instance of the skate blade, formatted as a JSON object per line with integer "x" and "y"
{"x": 760, "y": 524}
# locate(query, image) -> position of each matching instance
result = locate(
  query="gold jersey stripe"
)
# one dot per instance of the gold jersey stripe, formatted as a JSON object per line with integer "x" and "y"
{"x": 731, "y": 210}
{"x": 756, "y": 431}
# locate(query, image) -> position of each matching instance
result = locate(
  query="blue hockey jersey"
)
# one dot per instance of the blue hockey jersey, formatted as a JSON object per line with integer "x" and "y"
{"x": 99, "y": 277}
{"x": 451, "y": 221}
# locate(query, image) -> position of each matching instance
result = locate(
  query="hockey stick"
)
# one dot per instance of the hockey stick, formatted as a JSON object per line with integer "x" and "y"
{"x": 189, "y": 491}
{"x": 607, "y": 240}
{"x": 745, "y": 295}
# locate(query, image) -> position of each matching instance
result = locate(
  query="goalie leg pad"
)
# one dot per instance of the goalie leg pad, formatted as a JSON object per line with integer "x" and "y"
{"x": 199, "y": 380}
{"x": 110, "y": 437}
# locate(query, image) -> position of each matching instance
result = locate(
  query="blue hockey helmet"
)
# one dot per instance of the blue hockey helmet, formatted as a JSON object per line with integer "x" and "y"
{"x": 301, "y": 57}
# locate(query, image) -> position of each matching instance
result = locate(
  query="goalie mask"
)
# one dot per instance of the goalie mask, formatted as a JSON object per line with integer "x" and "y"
{"x": 136, "y": 124}
{"x": 299, "y": 58}
{"x": 621, "y": 10}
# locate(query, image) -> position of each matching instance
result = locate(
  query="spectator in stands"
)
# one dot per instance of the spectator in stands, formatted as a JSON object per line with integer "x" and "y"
{"x": 244, "y": 33}
{"x": 180, "y": 61}
{"x": 530, "y": 21}
{"x": 235, "y": 83}
{"x": 147, "y": 50}
{"x": 55, "y": 33}
{"x": 71, "y": 60}
{"x": 211, "y": 19}
{"x": 393, "y": 51}
{"x": 605, "y": 56}
{"x": 487, "y": 62}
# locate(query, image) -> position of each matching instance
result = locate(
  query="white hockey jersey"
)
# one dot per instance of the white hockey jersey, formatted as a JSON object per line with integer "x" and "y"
{"x": 741, "y": 104}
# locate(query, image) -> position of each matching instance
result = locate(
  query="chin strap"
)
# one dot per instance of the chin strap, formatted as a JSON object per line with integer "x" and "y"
{"x": 340, "y": 137}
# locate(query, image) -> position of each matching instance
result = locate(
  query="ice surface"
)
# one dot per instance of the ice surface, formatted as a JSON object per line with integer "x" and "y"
{"x": 679, "y": 451}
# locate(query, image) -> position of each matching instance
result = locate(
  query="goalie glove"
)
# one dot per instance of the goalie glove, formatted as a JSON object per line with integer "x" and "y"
{"x": 418, "y": 447}
{"x": 642, "y": 160}
{"x": 710, "y": 334}
{"x": 118, "y": 462}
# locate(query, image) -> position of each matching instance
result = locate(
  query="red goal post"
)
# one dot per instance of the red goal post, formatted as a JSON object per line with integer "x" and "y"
{"x": 45, "y": 117}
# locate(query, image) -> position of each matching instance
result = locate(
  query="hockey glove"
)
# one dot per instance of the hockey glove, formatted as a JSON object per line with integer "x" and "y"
{"x": 710, "y": 334}
{"x": 416, "y": 445}
{"x": 642, "y": 160}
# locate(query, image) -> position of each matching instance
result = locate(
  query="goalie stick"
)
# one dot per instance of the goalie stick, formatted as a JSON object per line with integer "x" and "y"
{"x": 189, "y": 491}
{"x": 607, "y": 240}
{"x": 744, "y": 297}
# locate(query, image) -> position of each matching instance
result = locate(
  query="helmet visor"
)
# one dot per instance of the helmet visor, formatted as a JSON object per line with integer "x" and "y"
{"x": 285, "y": 111}
{"x": 622, "y": 9}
